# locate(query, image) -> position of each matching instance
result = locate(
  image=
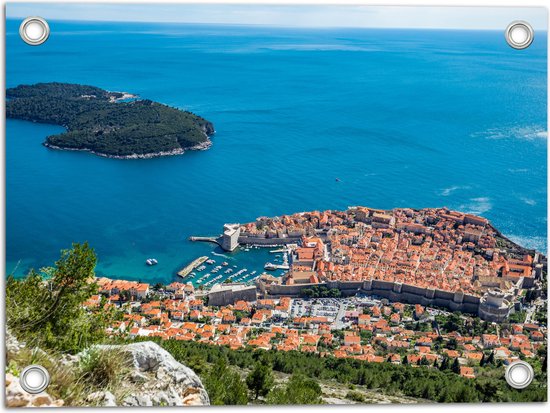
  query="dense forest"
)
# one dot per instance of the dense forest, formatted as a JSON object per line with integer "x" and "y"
{"x": 106, "y": 123}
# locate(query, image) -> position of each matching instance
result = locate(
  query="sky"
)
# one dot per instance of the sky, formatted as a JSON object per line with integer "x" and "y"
{"x": 474, "y": 18}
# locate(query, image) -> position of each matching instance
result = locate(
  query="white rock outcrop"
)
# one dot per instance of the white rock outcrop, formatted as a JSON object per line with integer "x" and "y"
{"x": 102, "y": 398}
{"x": 12, "y": 344}
{"x": 17, "y": 397}
{"x": 156, "y": 380}
{"x": 162, "y": 381}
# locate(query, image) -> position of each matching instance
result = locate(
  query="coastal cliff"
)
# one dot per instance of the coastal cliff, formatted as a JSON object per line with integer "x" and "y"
{"x": 110, "y": 124}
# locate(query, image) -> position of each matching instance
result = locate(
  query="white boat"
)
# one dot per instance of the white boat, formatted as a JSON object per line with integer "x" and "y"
{"x": 151, "y": 261}
{"x": 204, "y": 277}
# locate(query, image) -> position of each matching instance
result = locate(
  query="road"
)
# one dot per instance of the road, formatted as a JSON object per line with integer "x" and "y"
{"x": 530, "y": 311}
{"x": 338, "y": 323}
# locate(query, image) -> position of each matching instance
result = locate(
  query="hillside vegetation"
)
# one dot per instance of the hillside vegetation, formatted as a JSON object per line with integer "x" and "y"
{"x": 429, "y": 384}
{"x": 99, "y": 121}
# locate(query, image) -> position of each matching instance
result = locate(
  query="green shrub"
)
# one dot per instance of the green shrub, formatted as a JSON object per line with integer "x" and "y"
{"x": 298, "y": 390}
{"x": 355, "y": 396}
{"x": 104, "y": 368}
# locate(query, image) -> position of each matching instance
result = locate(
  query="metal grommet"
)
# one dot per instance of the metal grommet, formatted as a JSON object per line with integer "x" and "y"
{"x": 519, "y": 34}
{"x": 34, "y": 30}
{"x": 34, "y": 379}
{"x": 519, "y": 374}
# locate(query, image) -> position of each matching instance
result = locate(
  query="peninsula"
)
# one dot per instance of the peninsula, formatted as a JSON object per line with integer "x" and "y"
{"x": 110, "y": 124}
{"x": 433, "y": 257}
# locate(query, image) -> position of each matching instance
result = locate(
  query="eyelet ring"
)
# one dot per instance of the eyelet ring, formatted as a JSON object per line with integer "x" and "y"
{"x": 34, "y": 30}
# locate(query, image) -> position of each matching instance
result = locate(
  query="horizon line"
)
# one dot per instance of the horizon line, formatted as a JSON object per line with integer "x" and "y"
{"x": 280, "y": 26}
{"x": 291, "y": 16}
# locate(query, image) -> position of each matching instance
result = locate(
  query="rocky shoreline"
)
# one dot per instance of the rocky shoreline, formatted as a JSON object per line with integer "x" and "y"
{"x": 125, "y": 96}
{"x": 180, "y": 151}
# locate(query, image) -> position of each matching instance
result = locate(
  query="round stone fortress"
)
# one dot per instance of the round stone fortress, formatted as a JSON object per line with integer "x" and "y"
{"x": 493, "y": 306}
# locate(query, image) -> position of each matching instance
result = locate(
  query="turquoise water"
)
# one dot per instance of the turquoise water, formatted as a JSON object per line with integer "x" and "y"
{"x": 401, "y": 117}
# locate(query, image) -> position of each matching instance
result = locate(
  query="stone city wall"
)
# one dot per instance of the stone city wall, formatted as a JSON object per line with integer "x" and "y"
{"x": 229, "y": 296}
{"x": 393, "y": 291}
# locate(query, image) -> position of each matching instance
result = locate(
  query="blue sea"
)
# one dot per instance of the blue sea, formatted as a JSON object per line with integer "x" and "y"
{"x": 306, "y": 119}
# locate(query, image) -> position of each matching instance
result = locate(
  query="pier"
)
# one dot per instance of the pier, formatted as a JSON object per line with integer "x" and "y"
{"x": 286, "y": 249}
{"x": 215, "y": 240}
{"x": 232, "y": 238}
{"x": 284, "y": 266}
{"x": 184, "y": 272}
{"x": 273, "y": 267}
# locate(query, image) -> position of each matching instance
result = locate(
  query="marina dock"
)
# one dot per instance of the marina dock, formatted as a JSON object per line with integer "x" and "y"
{"x": 272, "y": 267}
{"x": 278, "y": 251}
{"x": 184, "y": 272}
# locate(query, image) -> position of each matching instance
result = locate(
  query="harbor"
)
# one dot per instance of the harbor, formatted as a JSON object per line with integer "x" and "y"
{"x": 284, "y": 266}
{"x": 244, "y": 267}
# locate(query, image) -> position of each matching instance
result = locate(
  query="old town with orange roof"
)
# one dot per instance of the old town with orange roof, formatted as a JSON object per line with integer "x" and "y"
{"x": 310, "y": 308}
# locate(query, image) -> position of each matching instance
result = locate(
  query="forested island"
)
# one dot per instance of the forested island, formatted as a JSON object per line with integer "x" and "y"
{"x": 110, "y": 124}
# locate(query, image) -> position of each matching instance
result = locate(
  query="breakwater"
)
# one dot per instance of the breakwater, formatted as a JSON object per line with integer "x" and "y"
{"x": 184, "y": 272}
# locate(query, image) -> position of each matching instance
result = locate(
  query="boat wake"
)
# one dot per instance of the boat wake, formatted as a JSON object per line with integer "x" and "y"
{"x": 222, "y": 255}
